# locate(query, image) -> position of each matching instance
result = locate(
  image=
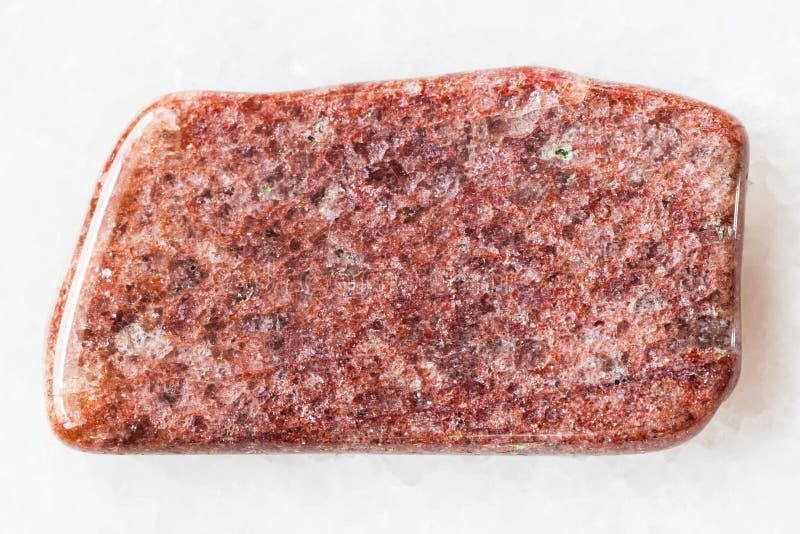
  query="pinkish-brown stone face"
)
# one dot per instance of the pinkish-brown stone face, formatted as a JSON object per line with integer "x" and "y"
{"x": 516, "y": 260}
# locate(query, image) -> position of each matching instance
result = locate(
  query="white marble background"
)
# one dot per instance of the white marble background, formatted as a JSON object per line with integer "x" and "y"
{"x": 74, "y": 74}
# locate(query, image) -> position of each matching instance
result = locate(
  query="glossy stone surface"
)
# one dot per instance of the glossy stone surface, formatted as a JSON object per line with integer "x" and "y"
{"x": 517, "y": 260}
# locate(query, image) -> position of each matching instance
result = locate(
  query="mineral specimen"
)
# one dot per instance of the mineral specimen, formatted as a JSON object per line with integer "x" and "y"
{"x": 517, "y": 260}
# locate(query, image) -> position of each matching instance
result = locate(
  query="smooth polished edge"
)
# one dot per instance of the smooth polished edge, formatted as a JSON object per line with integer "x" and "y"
{"x": 74, "y": 279}
{"x": 738, "y": 236}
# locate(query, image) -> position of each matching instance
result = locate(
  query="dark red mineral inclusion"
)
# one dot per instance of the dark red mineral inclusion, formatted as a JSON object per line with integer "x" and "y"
{"x": 518, "y": 260}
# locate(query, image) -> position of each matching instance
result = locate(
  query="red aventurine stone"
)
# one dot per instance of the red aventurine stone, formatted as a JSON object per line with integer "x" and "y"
{"x": 518, "y": 260}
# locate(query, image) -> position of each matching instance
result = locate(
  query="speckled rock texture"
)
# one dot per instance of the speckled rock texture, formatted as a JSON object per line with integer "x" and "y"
{"x": 518, "y": 260}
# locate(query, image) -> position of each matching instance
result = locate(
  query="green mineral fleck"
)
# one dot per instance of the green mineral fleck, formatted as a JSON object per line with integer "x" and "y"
{"x": 564, "y": 151}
